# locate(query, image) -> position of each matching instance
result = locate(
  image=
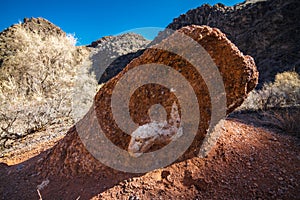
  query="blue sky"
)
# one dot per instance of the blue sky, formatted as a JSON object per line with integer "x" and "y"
{"x": 92, "y": 19}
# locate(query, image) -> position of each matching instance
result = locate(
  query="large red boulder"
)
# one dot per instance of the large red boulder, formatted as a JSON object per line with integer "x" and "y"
{"x": 238, "y": 76}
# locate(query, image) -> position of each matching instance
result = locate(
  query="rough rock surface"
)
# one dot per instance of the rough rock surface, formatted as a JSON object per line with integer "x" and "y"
{"x": 42, "y": 26}
{"x": 108, "y": 56}
{"x": 113, "y": 53}
{"x": 236, "y": 169}
{"x": 69, "y": 157}
{"x": 267, "y": 30}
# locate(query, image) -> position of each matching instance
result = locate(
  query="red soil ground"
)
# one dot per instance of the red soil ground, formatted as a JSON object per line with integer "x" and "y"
{"x": 248, "y": 162}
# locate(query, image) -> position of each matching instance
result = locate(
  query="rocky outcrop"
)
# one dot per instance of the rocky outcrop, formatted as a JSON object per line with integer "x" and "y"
{"x": 239, "y": 75}
{"x": 39, "y": 26}
{"x": 94, "y": 44}
{"x": 113, "y": 53}
{"x": 42, "y": 27}
{"x": 268, "y": 30}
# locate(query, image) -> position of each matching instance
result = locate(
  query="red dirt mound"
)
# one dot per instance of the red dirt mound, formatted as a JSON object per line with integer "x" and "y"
{"x": 248, "y": 162}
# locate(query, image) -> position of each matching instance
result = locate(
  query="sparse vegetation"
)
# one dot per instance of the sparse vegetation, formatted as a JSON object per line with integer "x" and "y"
{"x": 46, "y": 81}
{"x": 285, "y": 120}
{"x": 278, "y": 104}
{"x": 284, "y": 92}
{"x": 36, "y": 78}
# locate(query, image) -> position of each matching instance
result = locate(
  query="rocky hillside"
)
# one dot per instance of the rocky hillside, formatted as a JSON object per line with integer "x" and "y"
{"x": 255, "y": 156}
{"x": 39, "y": 67}
{"x": 113, "y": 53}
{"x": 108, "y": 56}
{"x": 268, "y": 30}
{"x": 38, "y": 62}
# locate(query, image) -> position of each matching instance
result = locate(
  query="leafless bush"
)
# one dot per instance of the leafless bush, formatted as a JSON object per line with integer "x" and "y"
{"x": 285, "y": 120}
{"x": 36, "y": 80}
{"x": 284, "y": 92}
{"x": 277, "y": 105}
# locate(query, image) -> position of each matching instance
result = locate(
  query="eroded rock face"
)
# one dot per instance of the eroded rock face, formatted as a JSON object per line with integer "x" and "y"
{"x": 113, "y": 53}
{"x": 41, "y": 26}
{"x": 238, "y": 72}
{"x": 239, "y": 76}
{"x": 267, "y": 30}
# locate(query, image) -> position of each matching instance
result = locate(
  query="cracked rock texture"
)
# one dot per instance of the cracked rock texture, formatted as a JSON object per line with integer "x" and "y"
{"x": 69, "y": 157}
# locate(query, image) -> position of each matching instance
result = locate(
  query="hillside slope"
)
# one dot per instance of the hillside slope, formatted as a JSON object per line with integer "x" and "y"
{"x": 248, "y": 162}
{"x": 39, "y": 68}
{"x": 38, "y": 63}
{"x": 268, "y": 30}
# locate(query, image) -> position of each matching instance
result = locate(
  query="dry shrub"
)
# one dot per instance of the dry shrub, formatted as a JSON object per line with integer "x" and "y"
{"x": 286, "y": 120}
{"x": 277, "y": 105}
{"x": 284, "y": 92}
{"x": 36, "y": 79}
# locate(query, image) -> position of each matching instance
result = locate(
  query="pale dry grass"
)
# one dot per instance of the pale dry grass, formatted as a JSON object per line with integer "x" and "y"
{"x": 286, "y": 120}
{"x": 36, "y": 80}
{"x": 284, "y": 92}
{"x": 277, "y": 104}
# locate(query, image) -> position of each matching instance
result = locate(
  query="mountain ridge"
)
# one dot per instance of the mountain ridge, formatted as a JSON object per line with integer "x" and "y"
{"x": 268, "y": 30}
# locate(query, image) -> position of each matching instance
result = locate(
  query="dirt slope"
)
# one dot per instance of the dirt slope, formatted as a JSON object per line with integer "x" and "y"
{"x": 248, "y": 162}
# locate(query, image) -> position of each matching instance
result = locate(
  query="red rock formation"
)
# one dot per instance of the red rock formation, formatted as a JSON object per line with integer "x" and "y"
{"x": 239, "y": 74}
